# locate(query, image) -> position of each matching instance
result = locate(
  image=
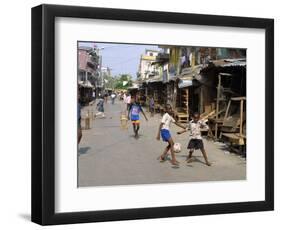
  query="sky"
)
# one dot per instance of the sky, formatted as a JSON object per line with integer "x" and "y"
{"x": 120, "y": 58}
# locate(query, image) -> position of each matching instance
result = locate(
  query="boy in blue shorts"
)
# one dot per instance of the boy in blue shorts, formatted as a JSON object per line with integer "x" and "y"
{"x": 164, "y": 130}
{"x": 134, "y": 114}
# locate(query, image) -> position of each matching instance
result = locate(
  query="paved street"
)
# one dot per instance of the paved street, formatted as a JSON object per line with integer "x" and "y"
{"x": 109, "y": 155}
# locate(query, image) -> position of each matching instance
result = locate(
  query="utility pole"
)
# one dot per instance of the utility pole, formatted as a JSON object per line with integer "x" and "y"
{"x": 100, "y": 73}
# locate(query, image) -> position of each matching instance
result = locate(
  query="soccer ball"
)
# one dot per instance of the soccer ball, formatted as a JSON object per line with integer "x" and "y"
{"x": 177, "y": 147}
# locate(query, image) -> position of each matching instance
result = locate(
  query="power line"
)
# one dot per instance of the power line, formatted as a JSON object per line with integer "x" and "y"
{"x": 121, "y": 46}
{"x": 125, "y": 61}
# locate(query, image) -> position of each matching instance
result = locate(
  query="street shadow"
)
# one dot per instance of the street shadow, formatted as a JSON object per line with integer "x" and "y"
{"x": 83, "y": 150}
{"x": 195, "y": 159}
{"x": 113, "y": 143}
{"x": 25, "y": 216}
{"x": 111, "y": 126}
{"x": 189, "y": 165}
{"x": 223, "y": 147}
{"x": 100, "y": 118}
{"x": 139, "y": 136}
{"x": 182, "y": 155}
{"x": 227, "y": 149}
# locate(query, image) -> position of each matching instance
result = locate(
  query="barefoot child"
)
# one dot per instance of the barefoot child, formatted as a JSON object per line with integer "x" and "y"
{"x": 196, "y": 141}
{"x": 164, "y": 130}
{"x": 134, "y": 113}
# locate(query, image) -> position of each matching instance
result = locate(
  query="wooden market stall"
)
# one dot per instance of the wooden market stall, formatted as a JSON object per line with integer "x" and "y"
{"x": 156, "y": 90}
{"x": 188, "y": 94}
{"x": 85, "y": 92}
{"x": 234, "y": 123}
{"x": 227, "y": 78}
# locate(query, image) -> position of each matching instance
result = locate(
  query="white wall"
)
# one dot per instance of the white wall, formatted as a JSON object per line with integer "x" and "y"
{"x": 15, "y": 114}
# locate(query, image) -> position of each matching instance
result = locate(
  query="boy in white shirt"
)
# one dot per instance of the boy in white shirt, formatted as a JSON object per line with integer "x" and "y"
{"x": 164, "y": 130}
{"x": 196, "y": 142}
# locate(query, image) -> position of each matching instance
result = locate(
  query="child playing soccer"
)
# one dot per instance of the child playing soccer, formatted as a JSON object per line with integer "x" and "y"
{"x": 164, "y": 130}
{"x": 196, "y": 141}
{"x": 134, "y": 114}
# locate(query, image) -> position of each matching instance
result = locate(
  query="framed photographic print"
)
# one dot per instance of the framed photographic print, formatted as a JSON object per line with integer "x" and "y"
{"x": 145, "y": 114}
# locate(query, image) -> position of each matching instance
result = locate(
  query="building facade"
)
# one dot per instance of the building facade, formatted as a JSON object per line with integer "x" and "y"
{"x": 88, "y": 79}
{"x": 146, "y": 67}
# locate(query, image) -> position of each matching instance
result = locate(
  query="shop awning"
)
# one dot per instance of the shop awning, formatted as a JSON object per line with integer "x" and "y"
{"x": 134, "y": 86}
{"x": 185, "y": 83}
{"x": 85, "y": 84}
{"x": 230, "y": 62}
{"x": 154, "y": 80}
{"x": 187, "y": 74}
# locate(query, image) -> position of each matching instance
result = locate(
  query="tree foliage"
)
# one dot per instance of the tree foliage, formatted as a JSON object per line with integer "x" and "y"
{"x": 121, "y": 79}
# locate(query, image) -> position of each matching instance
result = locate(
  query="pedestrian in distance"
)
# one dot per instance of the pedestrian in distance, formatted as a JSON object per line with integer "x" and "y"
{"x": 196, "y": 142}
{"x": 124, "y": 105}
{"x": 164, "y": 131}
{"x": 100, "y": 108}
{"x": 122, "y": 96}
{"x": 134, "y": 115}
{"x": 151, "y": 106}
{"x": 113, "y": 96}
{"x": 127, "y": 101}
{"x": 105, "y": 97}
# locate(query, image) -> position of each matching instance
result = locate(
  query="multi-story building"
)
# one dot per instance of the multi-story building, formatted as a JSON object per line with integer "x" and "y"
{"x": 105, "y": 79}
{"x": 146, "y": 67}
{"x": 89, "y": 62}
{"x": 88, "y": 72}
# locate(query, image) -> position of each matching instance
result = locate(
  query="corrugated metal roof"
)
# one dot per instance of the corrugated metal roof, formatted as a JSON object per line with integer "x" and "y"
{"x": 87, "y": 48}
{"x": 230, "y": 62}
{"x": 154, "y": 80}
{"x": 185, "y": 83}
{"x": 190, "y": 73}
{"x": 85, "y": 84}
{"x": 236, "y": 63}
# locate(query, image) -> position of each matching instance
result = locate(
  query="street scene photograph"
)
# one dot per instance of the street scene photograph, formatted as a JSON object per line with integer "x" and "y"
{"x": 152, "y": 114}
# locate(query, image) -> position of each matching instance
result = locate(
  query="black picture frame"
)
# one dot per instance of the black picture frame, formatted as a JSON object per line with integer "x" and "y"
{"x": 43, "y": 114}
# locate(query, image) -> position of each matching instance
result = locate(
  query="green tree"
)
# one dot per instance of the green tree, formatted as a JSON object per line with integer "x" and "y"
{"x": 109, "y": 81}
{"x": 123, "y": 81}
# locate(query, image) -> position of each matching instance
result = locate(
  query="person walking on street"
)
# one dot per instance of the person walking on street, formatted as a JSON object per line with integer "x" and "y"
{"x": 151, "y": 106}
{"x": 164, "y": 131}
{"x": 100, "y": 108}
{"x": 128, "y": 101}
{"x": 134, "y": 114}
{"x": 105, "y": 97}
{"x": 196, "y": 142}
{"x": 113, "y": 96}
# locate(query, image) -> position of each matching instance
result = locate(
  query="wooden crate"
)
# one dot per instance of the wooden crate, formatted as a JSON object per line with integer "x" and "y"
{"x": 181, "y": 117}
